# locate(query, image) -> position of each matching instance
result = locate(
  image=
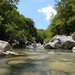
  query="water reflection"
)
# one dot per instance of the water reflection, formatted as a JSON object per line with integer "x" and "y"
{"x": 39, "y": 62}
{"x": 37, "y": 50}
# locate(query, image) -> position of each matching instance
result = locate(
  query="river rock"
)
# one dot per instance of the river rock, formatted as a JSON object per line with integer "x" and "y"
{"x": 17, "y": 44}
{"x": 60, "y": 41}
{"x": 2, "y": 53}
{"x": 39, "y": 45}
{"x": 73, "y": 36}
{"x": 73, "y": 49}
{"x": 4, "y": 46}
{"x": 11, "y": 53}
{"x": 34, "y": 44}
{"x": 29, "y": 46}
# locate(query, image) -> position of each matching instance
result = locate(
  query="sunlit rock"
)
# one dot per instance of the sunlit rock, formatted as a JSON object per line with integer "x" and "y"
{"x": 4, "y": 46}
{"x": 11, "y": 53}
{"x": 60, "y": 41}
{"x": 73, "y": 49}
{"x": 29, "y": 46}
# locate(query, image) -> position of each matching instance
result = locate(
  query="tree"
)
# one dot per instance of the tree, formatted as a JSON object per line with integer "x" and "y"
{"x": 63, "y": 22}
{"x": 14, "y": 24}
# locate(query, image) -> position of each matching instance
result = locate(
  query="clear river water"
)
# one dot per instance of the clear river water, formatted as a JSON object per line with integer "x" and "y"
{"x": 39, "y": 62}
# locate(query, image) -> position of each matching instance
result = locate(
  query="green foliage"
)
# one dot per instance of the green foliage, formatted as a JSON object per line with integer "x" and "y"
{"x": 13, "y": 24}
{"x": 42, "y": 35}
{"x": 63, "y": 22}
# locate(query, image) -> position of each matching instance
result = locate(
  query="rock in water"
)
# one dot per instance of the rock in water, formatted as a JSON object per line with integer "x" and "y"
{"x": 4, "y": 46}
{"x": 11, "y": 53}
{"x": 2, "y": 53}
{"x": 73, "y": 49}
{"x": 60, "y": 41}
{"x": 30, "y": 46}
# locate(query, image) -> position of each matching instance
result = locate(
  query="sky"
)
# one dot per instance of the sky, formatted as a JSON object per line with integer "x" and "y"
{"x": 39, "y": 11}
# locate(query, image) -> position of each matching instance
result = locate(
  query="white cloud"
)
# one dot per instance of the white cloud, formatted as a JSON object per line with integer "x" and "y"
{"x": 48, "y": 11}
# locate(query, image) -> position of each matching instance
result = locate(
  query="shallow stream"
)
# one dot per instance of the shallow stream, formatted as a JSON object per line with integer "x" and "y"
{"x": 38, "y": 62}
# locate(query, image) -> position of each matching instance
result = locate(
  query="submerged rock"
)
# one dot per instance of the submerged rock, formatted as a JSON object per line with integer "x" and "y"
{"x": 11, "y": 53}
{"x": 4, "y": 46}
{"x": 60, "y": 41}
{"x": 16, "y": 62}
{"x": 62, "y": 66}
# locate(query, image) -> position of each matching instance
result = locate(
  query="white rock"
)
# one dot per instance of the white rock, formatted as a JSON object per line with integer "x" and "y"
{"x": 4, "y": 46}
{"x": 60, "y": 41}
{"x": 73, "y": 49}
{"x": 10, "y": 53}
{"x": 30, "y": 46}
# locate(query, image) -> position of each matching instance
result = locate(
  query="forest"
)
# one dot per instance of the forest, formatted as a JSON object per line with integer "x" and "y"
{"x": 14, "y": 25}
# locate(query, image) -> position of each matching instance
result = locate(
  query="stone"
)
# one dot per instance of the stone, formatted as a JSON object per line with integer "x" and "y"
{"x": 2, "y": 53}
{"x": 4, "y": 46}
{"x": 73, "y": 49}
{"x": 73, "y": 36}
{"x": 17, "y": 44}
{"x": 29, "y": 46}
{"x": 34, "y": 44}
{"x": 11, "y": 53}
{"x": 60, "y": 41}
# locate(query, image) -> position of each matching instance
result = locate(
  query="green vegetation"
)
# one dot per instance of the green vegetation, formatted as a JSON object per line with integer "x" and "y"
{"x": 63, "y": 22}
{"x": 14, "y": 25}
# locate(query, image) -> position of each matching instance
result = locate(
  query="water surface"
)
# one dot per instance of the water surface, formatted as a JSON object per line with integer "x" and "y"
{"x": 39, "y": 62}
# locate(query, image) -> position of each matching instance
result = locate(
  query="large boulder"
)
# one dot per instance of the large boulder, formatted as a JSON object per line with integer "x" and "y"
{"x": 73, "y": 36}
{"x": 60, "y": 41}
{"x": 4, "y": 46}
{"x": 17, "y": 43}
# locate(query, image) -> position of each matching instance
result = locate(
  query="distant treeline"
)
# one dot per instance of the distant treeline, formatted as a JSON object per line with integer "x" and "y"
{"x": 13, "y": 24}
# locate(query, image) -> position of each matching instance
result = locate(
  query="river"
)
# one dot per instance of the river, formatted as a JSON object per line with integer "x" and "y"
{"x": 39, "y": 62}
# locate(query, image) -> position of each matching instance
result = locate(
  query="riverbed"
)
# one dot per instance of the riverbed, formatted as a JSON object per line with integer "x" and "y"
{"x": 39, "y": 62}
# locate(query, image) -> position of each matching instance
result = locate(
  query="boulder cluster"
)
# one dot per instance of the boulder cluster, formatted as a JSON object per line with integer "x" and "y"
{"x": 23, "y": 43}
{"x": 5, "y": 49}
{"x": 58, "y": 41}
